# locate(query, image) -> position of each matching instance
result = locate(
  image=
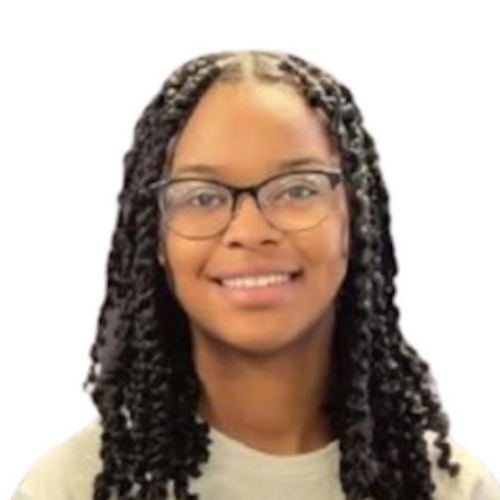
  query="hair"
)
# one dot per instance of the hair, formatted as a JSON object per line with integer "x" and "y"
{"x": 381, "y": 394}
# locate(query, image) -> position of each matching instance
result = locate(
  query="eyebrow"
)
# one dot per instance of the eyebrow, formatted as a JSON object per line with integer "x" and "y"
{"x": 280, "y": 167}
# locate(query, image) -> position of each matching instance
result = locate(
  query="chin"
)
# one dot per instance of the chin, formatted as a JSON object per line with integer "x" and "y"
{"x": 256, "y": 340}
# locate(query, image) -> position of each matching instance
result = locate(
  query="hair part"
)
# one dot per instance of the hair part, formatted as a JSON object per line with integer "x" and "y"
{"x": 382, "y": 396}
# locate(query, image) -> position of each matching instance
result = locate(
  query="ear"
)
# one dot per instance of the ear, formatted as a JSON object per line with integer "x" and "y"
{"x": 160, "y": 250}
{"x": 345, "y": 241}
{"x": 165, "y": 264}
{"x": 161, "y": 258}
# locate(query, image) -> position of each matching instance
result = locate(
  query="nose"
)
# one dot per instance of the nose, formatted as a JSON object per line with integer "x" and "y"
{"x": 248, "y": 225}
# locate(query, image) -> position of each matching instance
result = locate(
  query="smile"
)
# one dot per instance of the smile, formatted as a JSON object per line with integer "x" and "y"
{"x": 264, "y": 290}
{"x": 257, "y": 281}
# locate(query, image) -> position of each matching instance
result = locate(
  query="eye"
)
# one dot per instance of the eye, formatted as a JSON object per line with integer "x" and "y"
{"x": 294, "y": 192}
{"x": 195, "y": 195}
{"x": 301, "y": 191}
{"x": 297, "y": 188}
{"x": 205, "y": 199}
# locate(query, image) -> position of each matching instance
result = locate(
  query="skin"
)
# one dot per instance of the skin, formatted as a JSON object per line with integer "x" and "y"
{"x": 264, "y": 370}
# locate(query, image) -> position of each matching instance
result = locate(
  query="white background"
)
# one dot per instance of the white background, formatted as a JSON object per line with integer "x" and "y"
{"x": 77, "y": 76}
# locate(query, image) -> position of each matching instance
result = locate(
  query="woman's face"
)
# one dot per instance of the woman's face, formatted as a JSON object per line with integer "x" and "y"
{"x": 244, "y": 132}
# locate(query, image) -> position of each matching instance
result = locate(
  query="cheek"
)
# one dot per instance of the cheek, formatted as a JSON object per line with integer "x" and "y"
{"x": 326, "y": 246}
{"x": 186, "y": 264}
{"x": 325, "y": 253}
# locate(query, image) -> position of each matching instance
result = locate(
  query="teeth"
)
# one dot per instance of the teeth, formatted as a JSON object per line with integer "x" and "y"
{"x": 257, "y": 281}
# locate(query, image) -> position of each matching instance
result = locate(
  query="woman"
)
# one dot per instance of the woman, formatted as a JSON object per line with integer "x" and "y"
{"x": 248, "y": 345}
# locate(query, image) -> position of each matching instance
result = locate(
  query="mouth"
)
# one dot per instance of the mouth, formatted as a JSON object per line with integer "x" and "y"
{"x": 292, "y": 276}
{"x": 262, "y": 293}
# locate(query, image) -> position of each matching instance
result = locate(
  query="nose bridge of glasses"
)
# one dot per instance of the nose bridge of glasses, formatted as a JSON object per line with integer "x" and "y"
{"x": 239, "y": 197}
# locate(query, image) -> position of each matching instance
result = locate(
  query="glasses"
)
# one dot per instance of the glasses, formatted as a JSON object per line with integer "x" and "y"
{"x": 196, "y": 209}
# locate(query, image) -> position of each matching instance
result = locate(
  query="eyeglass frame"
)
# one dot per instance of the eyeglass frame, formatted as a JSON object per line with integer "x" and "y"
{"x": 335, "y": 178}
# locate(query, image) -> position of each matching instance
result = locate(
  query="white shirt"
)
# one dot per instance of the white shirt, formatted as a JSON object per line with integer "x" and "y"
{"x": 235, "y": 471}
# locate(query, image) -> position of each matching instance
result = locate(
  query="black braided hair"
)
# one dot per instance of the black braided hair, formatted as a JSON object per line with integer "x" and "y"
{"x": 382, "y": 396}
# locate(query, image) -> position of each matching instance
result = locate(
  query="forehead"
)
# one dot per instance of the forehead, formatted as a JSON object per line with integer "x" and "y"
{"x": 250, "y": 127}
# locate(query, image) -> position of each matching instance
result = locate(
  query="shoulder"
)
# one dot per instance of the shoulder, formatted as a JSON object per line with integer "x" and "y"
{"x": 474, "y": 481}
{"x": 67, "y": 471}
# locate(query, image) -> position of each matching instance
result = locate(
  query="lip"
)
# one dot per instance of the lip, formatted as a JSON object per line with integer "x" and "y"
{"x": 255, "y": 271}
{"x": 281, "y": 293}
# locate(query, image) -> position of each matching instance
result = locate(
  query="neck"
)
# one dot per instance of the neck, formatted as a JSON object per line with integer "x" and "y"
{"x": 272, "y": 402}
